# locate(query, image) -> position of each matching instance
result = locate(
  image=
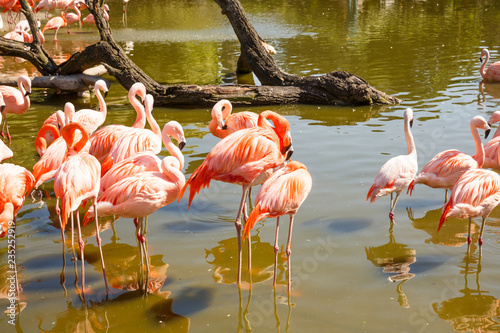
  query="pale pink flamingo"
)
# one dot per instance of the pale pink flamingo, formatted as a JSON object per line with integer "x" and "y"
{"x": 73, "y": 17}
{"x": 224, "y": 123}
{"x": 398, "y": 172}
{"x": 136, "y": 140}
{"x": 90, "y": 18}
{"x": 141, "y": 194}
{"x": 102, "y": 140}
{"x": 57, "y": 119}
{"x": 447, "y": 166}
{"x": 48, "y": 5}
{"x": 55, "y": 23}
{"x": 281, "y": 194}
{"x": 474, "y": 194}
{"x": 16, "y": 101}
{"x": 46, "y": 135}
{"x": 241, "y": 158}
{"x": 491, "y": 151}
{"x": 91, "y": 119}
{"x": 75, "y": 181}
{"x": 20, "y": 36}
{"x": 493, "y": 71}
{"x": 145, "y": 161}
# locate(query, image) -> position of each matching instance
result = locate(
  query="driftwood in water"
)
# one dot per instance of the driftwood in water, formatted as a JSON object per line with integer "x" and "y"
{"x": 278, "y": 87}
{"x": 70, "y": 83}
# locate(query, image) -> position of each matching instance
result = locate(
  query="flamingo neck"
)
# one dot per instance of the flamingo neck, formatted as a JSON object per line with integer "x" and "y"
{"x": 170, "y": 167}
{"x": 482, "y": 70}
{"x": 26, "y": 98}
{"x": 155, "y": 128}
{"x": 102, "y": 104}
{"x": 140, "y": 120}
{"x": 174, "y": 151}
{"x": 410, "y": 142}
{"x": 479, "y": 157}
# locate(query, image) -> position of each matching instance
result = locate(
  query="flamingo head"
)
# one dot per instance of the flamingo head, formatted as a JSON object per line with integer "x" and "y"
{"x": 484, "y": 53}
{"x": 494, "y": 118}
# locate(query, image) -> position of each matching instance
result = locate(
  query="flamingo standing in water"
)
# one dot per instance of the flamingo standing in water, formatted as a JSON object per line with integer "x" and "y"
{"x": 142, "y": 193}
{"x": 55, "y": 23}
{"x": 145, "y": 161}
{"x": 447, "y": 166}
{"x": 491, "y": 151}
{"x": 241, "y": 158}
{"x": 103, "y": 139}
{"x": 493, "y": 71}
{"x": 398, "y": 172}
{"x": 5, "y": 151}
{"x": 90, "y": 18}
{"x": 77, "y": 180}
{"x": 282, "y": 193}
{"x": 136, "y": 140}
{"x": 474, "y": 194}
{"x": 224, "y": 123}
{"x": 16, "y": 101}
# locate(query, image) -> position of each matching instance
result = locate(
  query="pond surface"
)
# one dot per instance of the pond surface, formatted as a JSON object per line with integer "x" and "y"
{"x": 352, "y": 271}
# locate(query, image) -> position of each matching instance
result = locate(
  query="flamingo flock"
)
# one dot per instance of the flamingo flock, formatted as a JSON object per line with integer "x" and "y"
{"x": 475, "y": 191}
{"x": 118, "y": 170}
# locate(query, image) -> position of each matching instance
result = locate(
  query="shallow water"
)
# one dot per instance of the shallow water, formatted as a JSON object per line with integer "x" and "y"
{"x": 351, "y": 270}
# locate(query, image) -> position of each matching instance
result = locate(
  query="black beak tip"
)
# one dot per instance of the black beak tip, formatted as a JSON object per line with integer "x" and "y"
{"x": 224, "y": 127}
{"x": 487, "y": 133}
{"x": 2, "y": 108}
{"x": 182, "y": 144}
{"x": 105, "y": 94}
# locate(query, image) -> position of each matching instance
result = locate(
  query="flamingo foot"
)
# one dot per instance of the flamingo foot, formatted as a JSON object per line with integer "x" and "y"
{"x": 391, "y": 216}
{"x": 480, "y": 242}
{"x": 469, "y": 240}
{"x": 8, "y": 137}
{"x": 2, "y": 134}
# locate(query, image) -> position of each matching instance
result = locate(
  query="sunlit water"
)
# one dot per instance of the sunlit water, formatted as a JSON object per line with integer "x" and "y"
{"x": 351, "y": 271}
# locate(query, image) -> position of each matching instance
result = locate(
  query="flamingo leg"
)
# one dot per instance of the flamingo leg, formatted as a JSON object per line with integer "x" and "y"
{"x": 469, "y": 239}
{"x": 82, "y": 245}
{"x": 276, "y": 250}
{"x": 289, "y": 253}
{"x": 393, "y": 206}
{"x": 98, "y": 239}
{"x": 55, "y": 35}
{"x": 145, "y": 251}
{"x": 4, "y": 121}
{"x": 138, "y": 224}
{"x": 480, "y": 241}
{"x": 237, "y": 224}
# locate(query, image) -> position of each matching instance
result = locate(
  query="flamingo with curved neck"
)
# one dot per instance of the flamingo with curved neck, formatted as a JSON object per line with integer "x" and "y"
{"x": 398, "y": 172}
{"x": 103, "y": 139}
{"x": 447, "y": 166}
{"x": 75, "y": 181}
{"x": 491, "y": 148}
{"x": 17, "y": 101}
{"x": 224, "y": 123}
{"x": 493, "y": 71}
{"x": 46, "y": 135}
{"x": 147, "y": 161}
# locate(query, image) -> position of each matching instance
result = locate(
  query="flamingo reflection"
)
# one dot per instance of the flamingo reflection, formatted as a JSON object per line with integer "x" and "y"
{"x": 394, "y": 258}
{"x": 475, "y": 311}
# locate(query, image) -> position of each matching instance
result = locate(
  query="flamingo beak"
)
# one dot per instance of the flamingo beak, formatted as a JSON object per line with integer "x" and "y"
{"x": 487, "y": 133}
{"x": 411, "y": 123}
{"x": 2, "y": 108}
{"x": 182, "y": 144}
{"x": 289, "y": 153}
{"x": 105, "y": 94}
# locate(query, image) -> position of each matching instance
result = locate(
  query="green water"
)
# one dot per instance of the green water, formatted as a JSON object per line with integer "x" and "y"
{"x": 351, "y": 271}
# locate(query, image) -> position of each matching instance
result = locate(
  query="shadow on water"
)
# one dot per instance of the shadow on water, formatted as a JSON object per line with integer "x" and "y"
{"x": 472, "y": 310}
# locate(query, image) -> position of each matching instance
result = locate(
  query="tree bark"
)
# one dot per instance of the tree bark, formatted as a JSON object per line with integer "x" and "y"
{"x": 278, "y": 87}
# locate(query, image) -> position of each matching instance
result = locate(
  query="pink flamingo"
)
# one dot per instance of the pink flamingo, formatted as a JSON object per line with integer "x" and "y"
{"x": 136, "y": 140}
{"x": 141, "y": 194}
{"x": 493, "y": 71}
{"x": 145, "y": 161}
{"x": 77, "y": 180}
{"x": 91, "y": 119}
{"x": 46, "y": 135}
{"x": 447, "y": 166}
{"x": 474, "y": 194}
{"x": 57, "y": 119}
{"x": 5, "y": 151}
{"x": 102, "y": 140}
{"x": 241, "y": 158}
{"x": 73, "y": 17}
{"x": 398, "y": 172}
{"x": 282, "y": 193}
{"x": 20, "y": 36}
{"x": 16, "y": 101}
{"x": 224, "y": 123}
{"x": 491, "y": 150}
{"x": 55, "y": 23}
{"x": 90, "y": 18}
